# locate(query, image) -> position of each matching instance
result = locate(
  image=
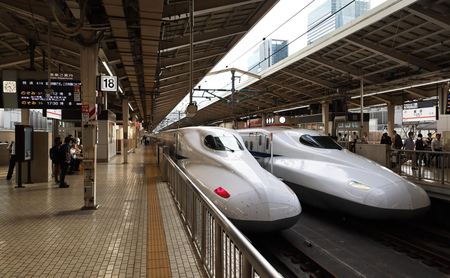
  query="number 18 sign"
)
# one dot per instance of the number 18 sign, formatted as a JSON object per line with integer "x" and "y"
{"x": 108, "y": 83}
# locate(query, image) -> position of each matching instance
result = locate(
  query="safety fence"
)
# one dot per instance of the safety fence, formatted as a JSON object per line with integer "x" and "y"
{"x": 421, "y": 164}
{"x": 223, "y": 249}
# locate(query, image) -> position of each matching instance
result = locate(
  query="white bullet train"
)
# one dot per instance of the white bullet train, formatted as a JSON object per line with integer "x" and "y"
{"x": 215, "y": 159}
{"x": 325, "y": 175}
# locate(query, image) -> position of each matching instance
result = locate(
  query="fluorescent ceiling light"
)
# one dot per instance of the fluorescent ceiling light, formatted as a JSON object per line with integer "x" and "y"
{"x": 403, "y": 88}
{"x": 107, "y": 68}
{"x": 120, "y": 90}
{"x": 130, "y": 106}
{"x": 304, "y": 106}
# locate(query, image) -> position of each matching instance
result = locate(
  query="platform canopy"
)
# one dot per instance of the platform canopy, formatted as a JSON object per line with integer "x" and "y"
{"x": 400, "y": 49}
{"x": 144, "y": 43}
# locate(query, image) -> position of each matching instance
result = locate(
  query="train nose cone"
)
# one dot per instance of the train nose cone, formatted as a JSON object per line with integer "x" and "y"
{"x": 403, "y": 197}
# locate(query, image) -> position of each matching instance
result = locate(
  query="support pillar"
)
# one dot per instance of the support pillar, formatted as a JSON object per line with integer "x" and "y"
{"x": 325, "y": 117}
{"x": 126, "y": 115}
{"x": 391, "y": 118}
{"x": 362, "y": 103}
{"x": 263, "y": 120}
{"x": 89, "y": 71}
{"x": 25, "y": 116}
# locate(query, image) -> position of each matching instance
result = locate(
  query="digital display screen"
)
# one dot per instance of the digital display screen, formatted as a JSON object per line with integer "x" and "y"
{"x": 448, "y": 103}
{"x": 31, "y": 94}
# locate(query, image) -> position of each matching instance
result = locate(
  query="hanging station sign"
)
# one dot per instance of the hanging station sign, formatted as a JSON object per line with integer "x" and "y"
{"x": 427, "y": 114}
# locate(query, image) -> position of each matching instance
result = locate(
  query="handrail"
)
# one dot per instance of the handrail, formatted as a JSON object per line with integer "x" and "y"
{"x": 222, "y": 225}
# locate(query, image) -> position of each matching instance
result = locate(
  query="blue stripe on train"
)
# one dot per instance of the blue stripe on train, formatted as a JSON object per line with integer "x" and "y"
{"x": 260, "y": 154}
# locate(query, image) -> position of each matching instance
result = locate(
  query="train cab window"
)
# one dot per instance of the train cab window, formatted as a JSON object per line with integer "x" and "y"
{"x": 267, "y": 143}
{"x": 251, "y": 145}
{"x": 260, "y": 140}
{"x": 323, "y": 142}
{"x": 223, "y": 143}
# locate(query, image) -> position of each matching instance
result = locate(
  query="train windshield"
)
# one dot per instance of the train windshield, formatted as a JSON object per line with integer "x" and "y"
{"x": 223, "y": 143}
{"x": 323, "y": 142}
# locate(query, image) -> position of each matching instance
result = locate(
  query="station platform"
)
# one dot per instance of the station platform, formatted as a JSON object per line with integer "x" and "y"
{"x": 136, "y": 232}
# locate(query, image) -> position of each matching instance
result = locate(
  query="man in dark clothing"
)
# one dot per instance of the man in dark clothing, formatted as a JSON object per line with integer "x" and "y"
{"x": 55, "y": 156}
{"x": 12, "y": 159}
{"x": 65, "y": 162}
{"x": 385, "y": 139}
{"x": 398, "y": 144}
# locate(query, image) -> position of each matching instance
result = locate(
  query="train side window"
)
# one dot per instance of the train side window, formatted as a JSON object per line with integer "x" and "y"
{"x": 209, "y": 142}
{"x": 267, "y": 143}
{"x": 246, "y": 144}
{"x": 260, "y": 140}
{"x": 251, "y": 145}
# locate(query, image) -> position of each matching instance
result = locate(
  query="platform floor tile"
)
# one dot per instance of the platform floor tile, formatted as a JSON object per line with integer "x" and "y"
{"x": 43, "y": 232}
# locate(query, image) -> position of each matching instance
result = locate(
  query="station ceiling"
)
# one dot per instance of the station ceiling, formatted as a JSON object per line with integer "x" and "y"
{"x": 145, "y": 43}
{"x": 394, "y": 48}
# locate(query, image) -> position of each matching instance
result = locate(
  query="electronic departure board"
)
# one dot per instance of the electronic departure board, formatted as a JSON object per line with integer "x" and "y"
{"x": 31, "y": 94}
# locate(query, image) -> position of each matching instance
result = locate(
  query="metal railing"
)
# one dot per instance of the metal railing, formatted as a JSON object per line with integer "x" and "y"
{"x": 223, "y": 249}
{"x": 421, "y": 164}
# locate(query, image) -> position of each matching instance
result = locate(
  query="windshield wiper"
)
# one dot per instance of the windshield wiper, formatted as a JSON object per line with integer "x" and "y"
{"x": 229, "y": 149}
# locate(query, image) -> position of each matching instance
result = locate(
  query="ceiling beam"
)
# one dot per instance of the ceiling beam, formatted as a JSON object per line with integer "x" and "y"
{"x": 172, "y": 74}
{"x": 314, "y": 80}
{"x": 431, "y": 16}
{"x": 172, "y": 62}
{"x": 393, "y": 54}
{"x": 203, "y": 38}
{"x": 288, "y": 87}
{"x": 178, "y": 10}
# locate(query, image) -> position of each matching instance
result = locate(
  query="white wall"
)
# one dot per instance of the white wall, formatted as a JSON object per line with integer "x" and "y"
{"x": 443, "y": 127}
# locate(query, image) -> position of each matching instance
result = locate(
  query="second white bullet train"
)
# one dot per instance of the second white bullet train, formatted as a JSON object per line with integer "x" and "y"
{"x": 216, "y": 160}
{"x": 325, "y": 175}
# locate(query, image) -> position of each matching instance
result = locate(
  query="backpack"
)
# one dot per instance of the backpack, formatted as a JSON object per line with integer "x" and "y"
{"x": 419, "y": 145}
{"x": 56, "y": 154}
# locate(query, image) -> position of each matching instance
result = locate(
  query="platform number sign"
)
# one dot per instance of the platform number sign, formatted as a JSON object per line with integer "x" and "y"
{"x": 108, "y": 83}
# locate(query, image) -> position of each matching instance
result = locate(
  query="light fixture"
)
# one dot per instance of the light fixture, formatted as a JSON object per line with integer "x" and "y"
{"x": 130, "y": 106}
{"x": 107, "y": 68}
{"x": 282, "y": 120}
{"x": 120, "y": 90}
{"x": 304, "y": 106}
{"x": 403, "y": 88}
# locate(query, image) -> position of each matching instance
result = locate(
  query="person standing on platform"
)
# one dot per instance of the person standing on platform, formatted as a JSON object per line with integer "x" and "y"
{"x": 365, "y": 140}
{"x": 385, "y": 139}
{"x": 398, "y": 144}
{"x": 409, "y": 146}
{"x": 65, "y": 162}
{"x": 420, "y": 146}
{"x": 12, "y": 159}
{"x": 436, "y": 146}
{"x": 55, "y": 156}
{"x": 428, "y": 141}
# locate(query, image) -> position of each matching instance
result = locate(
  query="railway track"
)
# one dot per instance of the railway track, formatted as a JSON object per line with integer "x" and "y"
{"x": 290, "y": 260}
{"x": 427, "y": 244}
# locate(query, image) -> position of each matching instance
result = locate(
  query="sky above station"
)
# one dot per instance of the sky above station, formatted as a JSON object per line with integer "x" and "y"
{"x": 286, "y": 21}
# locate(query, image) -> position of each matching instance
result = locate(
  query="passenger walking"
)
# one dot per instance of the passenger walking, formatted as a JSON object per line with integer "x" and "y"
{"x": 409, "y": 146}
{"x": 353, "y": 142}
{"x": 428, "y": 141}
{"x": 65, "y": 162}
{"x": 12, "y": 159}
{"x": 420, "y": 146}
{"x": 55, "y": 156}
{"x": 398, "y": 144}
{"x": 436, "y": 146}
{"x": 364, "y": 139}
{"x": 385, "y": 139}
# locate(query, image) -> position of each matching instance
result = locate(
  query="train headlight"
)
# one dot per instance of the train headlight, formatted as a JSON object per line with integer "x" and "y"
{"x": 359, "y": 185}
{"x": 222, "y": 192}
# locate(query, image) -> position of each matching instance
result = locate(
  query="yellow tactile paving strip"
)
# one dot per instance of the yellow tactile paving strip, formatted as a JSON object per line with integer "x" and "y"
{"x": 157, "y": 257}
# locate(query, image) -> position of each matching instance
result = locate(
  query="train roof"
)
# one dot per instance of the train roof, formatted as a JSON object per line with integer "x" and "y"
{"x": 276, "y": 129}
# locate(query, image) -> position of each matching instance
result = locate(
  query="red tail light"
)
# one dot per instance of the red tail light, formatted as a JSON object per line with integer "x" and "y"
{"x": 222, "y": 192}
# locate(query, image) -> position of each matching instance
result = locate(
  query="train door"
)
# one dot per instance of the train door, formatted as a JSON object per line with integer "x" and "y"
{"x": 266, "y": 150}
{"x": 177, "y": 145}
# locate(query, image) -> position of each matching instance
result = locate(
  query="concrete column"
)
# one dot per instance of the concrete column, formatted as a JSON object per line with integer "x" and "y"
{"x": 325, "y": 116}
{"x": 25, "y": 116}
{"x": 126, "y": 115}
{"x": 391, "y": 118}
{"x": 89, "y": 71}
{"x": 263, "y": 120}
